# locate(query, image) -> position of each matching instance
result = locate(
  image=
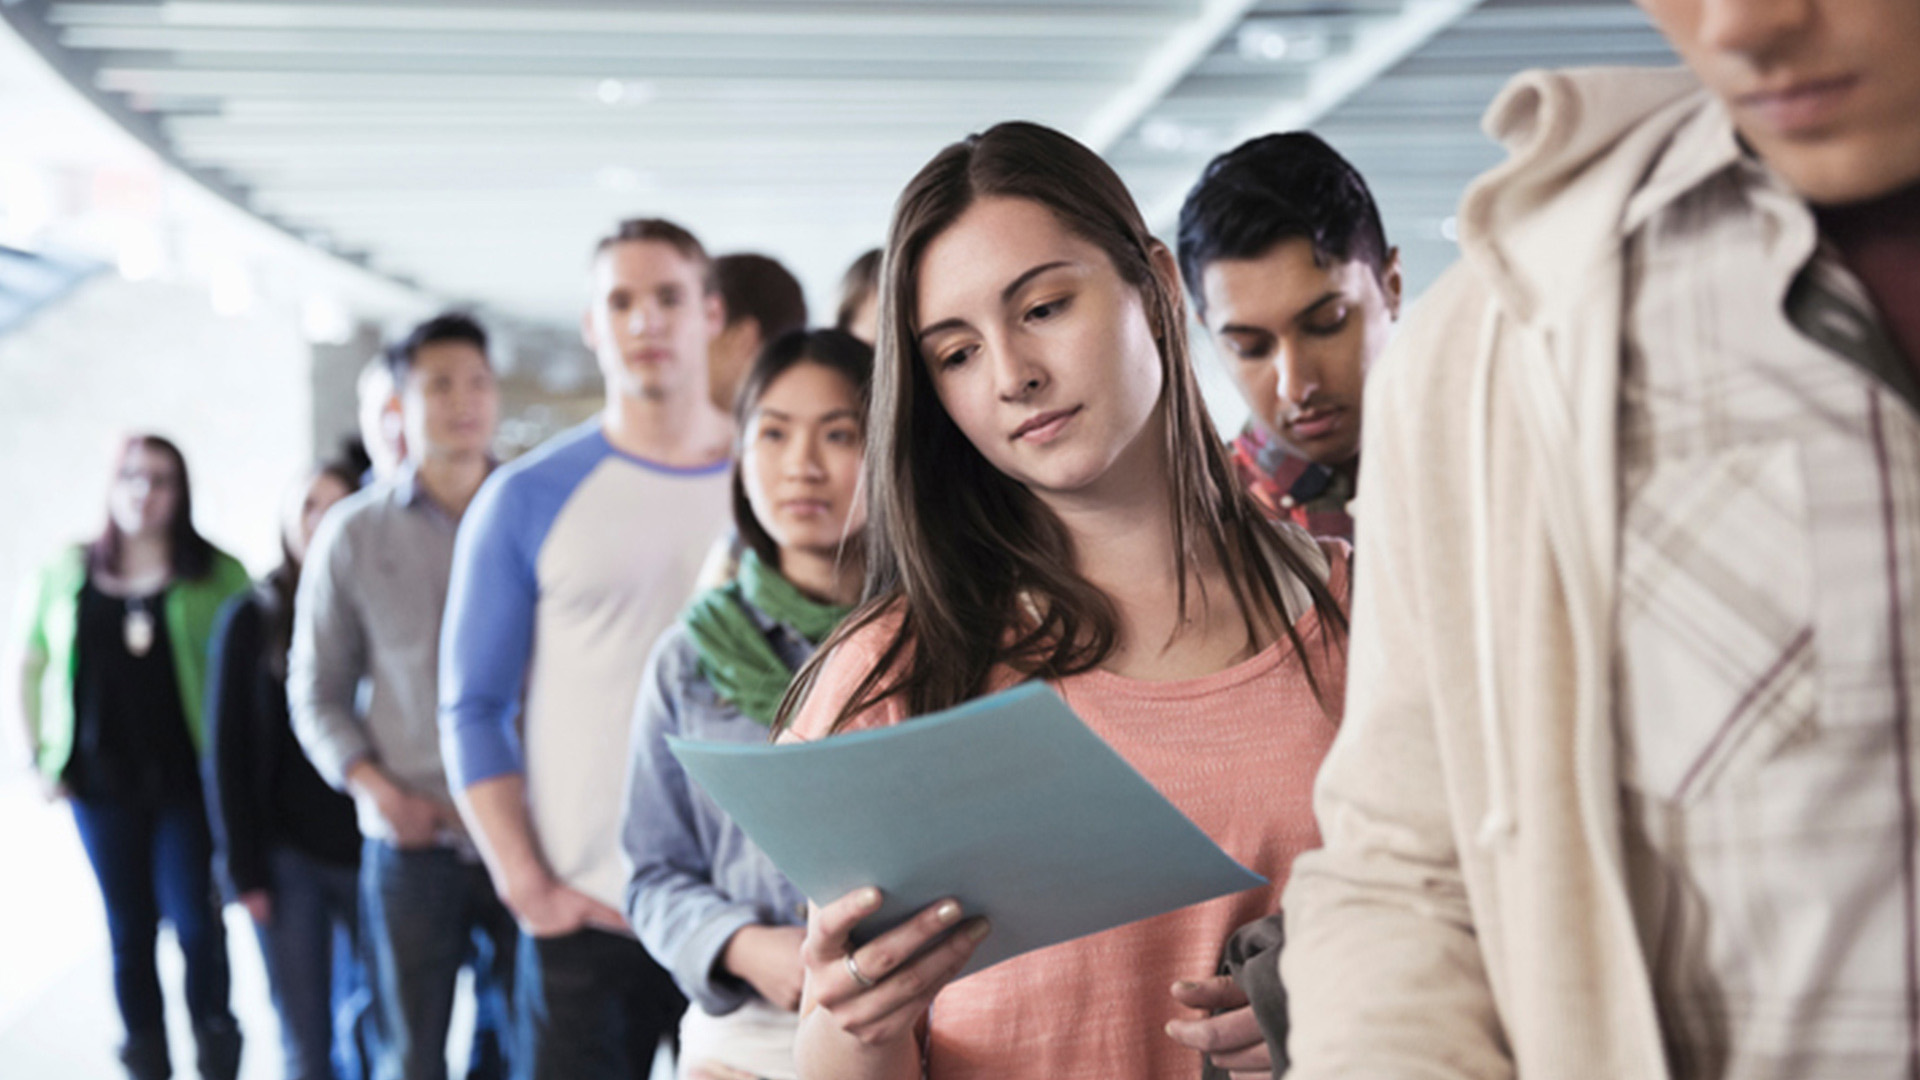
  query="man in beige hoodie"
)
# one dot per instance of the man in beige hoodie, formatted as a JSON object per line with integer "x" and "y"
{"x": 1626, "y": 785}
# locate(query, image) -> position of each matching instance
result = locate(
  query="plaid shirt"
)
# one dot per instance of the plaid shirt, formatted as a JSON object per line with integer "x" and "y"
{"x": 1288, "y": 487}
{"x": 1768, "y": 633}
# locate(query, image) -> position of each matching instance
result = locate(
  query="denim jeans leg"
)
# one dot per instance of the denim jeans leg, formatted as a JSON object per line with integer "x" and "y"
{"x": 298, "y": 940}
{"x": 494, "y": 944}
{"x": 119, "y": 845}
{"x": 354, "y": 1022}
{"x": 593, "y": 1004}
{"x": 413, "y": 912}
{"x": 183, "y": 865}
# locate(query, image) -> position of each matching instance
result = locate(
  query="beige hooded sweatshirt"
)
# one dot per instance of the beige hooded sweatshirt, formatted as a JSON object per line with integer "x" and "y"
{"x": 1469, "y": 916}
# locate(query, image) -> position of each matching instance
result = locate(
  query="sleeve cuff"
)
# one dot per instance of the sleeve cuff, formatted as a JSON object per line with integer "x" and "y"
{"x": 344, "y": 747}
{"x": 477, "y": 751}
{"x": 696, "y": 965}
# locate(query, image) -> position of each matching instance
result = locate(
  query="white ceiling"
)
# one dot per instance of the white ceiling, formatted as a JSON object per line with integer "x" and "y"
{"x": 480, "y": 147}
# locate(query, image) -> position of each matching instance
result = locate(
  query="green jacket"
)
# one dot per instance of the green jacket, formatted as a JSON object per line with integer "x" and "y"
{"x": 53, "y": 613}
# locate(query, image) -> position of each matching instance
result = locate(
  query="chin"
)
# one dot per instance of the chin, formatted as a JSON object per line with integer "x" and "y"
{"x": 1844, "y": 169}
{"x": 815, "y": 538}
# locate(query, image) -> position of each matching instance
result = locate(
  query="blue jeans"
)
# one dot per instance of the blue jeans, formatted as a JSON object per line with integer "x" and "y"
{"x": 154, "y": 864}
{"x": 592, "y": 1004}
{"x": 426, "y": 913}
{"x": 320, "y": 986}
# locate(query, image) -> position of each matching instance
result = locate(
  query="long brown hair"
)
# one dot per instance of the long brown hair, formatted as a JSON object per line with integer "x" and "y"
{"x": 190, "y": 555}
{"x": 960, "y": 552}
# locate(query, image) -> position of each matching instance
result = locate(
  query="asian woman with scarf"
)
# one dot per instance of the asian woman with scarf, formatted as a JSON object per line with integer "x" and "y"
{"x": 703, "y": 899}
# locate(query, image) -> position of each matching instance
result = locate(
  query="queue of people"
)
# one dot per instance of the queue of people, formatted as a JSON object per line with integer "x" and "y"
{"x": 1565, "y": 705}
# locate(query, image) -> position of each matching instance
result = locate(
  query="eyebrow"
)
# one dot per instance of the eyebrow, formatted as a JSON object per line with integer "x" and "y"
{"x": 837, "y": 414}
{"x": 1324, "y": 299}
{"x": 1006, "y": 296}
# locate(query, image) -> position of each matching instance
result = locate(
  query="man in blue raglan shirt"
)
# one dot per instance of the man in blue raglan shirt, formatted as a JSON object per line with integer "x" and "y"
{"x": 571, "y": 562}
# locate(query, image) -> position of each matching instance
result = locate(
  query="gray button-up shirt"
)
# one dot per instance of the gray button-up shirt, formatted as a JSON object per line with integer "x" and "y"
{"x": 363, "y": 676}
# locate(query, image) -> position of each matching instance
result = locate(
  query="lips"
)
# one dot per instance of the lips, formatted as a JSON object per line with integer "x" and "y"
{"x": 1045, "y": 426}
{"x": 1316, "y": 424}
{"x": 1799, "y": 106}
{"x": 806, "y": 508}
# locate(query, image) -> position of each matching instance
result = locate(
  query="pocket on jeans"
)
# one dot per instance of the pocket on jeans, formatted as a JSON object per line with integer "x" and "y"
{"x": 1717, "y": 670}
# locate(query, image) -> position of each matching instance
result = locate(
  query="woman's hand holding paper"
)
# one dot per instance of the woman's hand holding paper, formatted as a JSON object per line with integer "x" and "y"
{"x": 875, "y": 994}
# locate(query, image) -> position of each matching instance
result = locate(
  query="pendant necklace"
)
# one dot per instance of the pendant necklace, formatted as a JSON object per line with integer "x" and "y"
{"x": 137, "y": 629}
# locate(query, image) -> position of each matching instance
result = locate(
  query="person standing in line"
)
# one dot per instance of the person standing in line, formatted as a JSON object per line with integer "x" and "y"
{"x": 858, "y": 312}
{"x": 1283, "y": 254}
{"x": 1288, "y": 268}
{"x": 1050, "y": 501}
{"x": 382, "y": 429}
{"x": 762, "y": 300}
{"x": 285, "y": 843}
{"x": 113, "y": 681}
{"x": 703, "y": 897}
{"x": 1626, "y": 784}
{"x": 367, "y": 629}
{"x": 575, "y": 559}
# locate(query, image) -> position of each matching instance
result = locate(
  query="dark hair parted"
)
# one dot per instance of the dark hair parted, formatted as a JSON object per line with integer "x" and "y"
{"x": 660, "y": 231}
{"x": 835, "y": 350}
{"x": 979, "y": 571}
{"x": 1276, "y": 188}
{"x": 455, "y": 326}
{"x": 759, "y": 288}
{"x": 862, "y": 280}
{"x": 189, "y": 554}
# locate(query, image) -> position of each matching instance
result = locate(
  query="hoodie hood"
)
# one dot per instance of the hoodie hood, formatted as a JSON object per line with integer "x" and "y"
{"x": 1579, "y": 143}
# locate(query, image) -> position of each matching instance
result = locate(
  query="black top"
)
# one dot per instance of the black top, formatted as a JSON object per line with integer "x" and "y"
{"x": 262, "y": 793}
{"x": 131, "y": 744}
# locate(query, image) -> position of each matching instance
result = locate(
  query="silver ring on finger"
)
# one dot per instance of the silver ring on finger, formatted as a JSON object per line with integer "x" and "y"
{"x": 859, "y": 976}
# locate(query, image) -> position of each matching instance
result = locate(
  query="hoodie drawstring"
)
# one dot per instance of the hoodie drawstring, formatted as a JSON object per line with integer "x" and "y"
{"x": 1498, "y": 824}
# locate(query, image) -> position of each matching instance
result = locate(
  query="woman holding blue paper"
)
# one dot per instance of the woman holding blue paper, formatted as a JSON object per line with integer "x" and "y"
{"x": 1051, "y": 501}
{"x": 703, "y": 898}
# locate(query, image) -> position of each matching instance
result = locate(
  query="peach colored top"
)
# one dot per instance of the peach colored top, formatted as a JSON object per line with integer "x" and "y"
{"x": 1236, "y": 751}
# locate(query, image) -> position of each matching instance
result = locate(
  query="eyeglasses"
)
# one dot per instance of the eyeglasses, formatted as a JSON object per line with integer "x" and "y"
{"x": 155, "y": 480}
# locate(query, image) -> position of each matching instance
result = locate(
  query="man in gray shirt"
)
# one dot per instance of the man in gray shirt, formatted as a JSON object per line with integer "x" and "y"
{"x": 363, "y": 688}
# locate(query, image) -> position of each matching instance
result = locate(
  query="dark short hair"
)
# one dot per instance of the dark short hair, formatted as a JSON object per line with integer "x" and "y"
{"x": 759, "y": 288}
{"x": 661, "y": 231}
{"x": 446, "y": 326}
{"x": 835, "y": 350}
{"x": 1276, "y": 188}
{"x": 861, "y": 281}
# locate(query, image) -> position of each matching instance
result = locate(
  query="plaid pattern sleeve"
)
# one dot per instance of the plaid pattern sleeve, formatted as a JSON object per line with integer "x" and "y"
{"x": 1767, "y": 645}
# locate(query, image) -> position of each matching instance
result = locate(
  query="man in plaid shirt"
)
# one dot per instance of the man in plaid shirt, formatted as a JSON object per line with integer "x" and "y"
{"x": 1626, "y": 784}
{"x": 1283, "y": 253}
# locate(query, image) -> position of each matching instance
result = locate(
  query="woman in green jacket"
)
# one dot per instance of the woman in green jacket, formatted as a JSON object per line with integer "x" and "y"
{"x": 113, "y": 679}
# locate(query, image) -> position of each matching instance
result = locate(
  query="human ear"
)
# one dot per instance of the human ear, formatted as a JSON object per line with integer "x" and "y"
{"x": 588, "y": 336}
{"x": 1391, "y": 283}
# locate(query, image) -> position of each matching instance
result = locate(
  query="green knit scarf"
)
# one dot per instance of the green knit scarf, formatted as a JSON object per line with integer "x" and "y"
{"x": 735, "y": 655}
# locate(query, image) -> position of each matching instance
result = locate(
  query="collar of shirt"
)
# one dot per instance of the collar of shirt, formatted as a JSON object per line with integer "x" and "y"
{"x": 408, "y": 491}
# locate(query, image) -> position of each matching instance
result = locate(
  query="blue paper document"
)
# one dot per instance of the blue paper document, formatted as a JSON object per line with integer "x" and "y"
{"x": 1008, "y": 803}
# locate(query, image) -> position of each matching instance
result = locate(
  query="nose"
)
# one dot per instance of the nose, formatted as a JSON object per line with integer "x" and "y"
{"x": 1753, "y": 28}
{"x": 1017, "y": 375}
{"x": 1297, "y": 378}
{"x": 642, "y": 317}
{"x": 802, "y": 459}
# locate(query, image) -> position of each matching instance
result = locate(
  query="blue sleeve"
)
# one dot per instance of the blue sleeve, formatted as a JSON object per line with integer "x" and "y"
{"x": 486, "y": 637}
{"x": 672, "y": 904}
